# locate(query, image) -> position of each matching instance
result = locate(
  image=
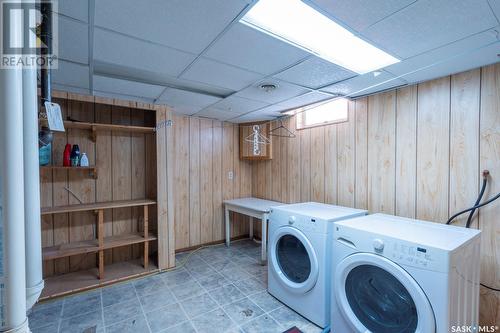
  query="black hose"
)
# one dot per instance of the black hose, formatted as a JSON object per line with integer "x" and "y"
{"x": 479, "y": 198}
{"x": 490, "y": 288}
{"x": 474, "y": 207}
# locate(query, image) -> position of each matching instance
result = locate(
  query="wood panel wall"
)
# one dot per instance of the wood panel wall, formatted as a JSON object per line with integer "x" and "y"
{"x": 203, "y": 153}
{"x": 415, "y": 152}
{"x": 126, "y": 165}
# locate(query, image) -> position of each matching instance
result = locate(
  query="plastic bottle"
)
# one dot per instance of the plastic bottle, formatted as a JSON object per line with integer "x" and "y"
{"x": 67, "y": 156}
{"x": 84, "y": 160}
{"x": 75, "y": 156}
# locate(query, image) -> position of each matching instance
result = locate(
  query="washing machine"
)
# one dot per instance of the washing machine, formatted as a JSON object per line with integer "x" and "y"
{"x": 398, "y": 275}
{"x": 300, "y": 237}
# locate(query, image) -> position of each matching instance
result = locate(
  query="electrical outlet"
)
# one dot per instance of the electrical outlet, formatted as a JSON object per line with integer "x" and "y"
{"x": 230, "y": 175}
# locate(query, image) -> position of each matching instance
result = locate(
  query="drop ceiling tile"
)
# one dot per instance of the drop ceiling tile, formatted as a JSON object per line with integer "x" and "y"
{"x": 315, "y": 73}
{"x": 179, "y": 97}
{"x": 248, "y": 48}
{"x": 305, "y": 99}
{"x": 283, "y": 91}
{"x": 77, "y": 9}
{"x": 427, "y": 24}
{"x": 216, "y": 114}
{"x": 71, "y": 74}
{"x": 135, "y": 54}
{"x": 238, "y": 105}
{"x": 125, "y": 87}
{"x": 73, "y": 40}
{"x": 123, "y": 97}
{"x": 466, "y": 61}
{"x": 365, "y": 84}
{"x": 358, "y": 14}
{"x": 185, "y": 25}
{"x": 251, "y": 117}
{"x": 446, "y": 53}
{"x": 218, "y": 74}
{"x": 495, "y": 6}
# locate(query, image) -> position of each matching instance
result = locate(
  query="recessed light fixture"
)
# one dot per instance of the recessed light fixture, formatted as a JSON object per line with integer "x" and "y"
{"x": 268, "y": 87}
{"x": 302, "y": 26}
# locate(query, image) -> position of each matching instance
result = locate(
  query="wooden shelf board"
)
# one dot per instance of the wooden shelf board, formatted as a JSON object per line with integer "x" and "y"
{"x": 69, "y": 249}
{"x": 97, "y": 206}
{"x": 60, "y": 167}
{"x": 70, "y": 283}
{"x": 92, "y": 246}
{"x": 128, "y": 239}
{"x": 105, "y": 127}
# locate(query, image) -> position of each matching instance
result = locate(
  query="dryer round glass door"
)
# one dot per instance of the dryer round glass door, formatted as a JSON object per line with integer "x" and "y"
{"x": 293, "y": 260}
{"x": 376, "y": 295}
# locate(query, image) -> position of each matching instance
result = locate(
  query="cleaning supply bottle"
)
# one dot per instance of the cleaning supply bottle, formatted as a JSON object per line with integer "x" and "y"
{"x": 67, "y": 155}
{"x": 75, "y": 156}
{"x": 84, "y": 160}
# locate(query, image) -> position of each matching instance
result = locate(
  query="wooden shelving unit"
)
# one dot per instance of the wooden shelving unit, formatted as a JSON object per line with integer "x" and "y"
{"x": 95, "y": 127}
{"x": 92, "y": 170}
{"x": 101, "y": 243}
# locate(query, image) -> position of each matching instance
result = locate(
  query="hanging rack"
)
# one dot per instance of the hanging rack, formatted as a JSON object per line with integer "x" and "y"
{"x": 289, "y": 134}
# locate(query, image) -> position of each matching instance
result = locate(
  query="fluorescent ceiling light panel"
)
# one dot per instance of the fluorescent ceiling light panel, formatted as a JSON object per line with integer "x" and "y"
{"x": 300, "y": 25}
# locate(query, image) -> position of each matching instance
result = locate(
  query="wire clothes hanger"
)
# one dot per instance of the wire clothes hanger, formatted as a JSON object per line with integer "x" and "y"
{"x": 288, "y": 133}
{"x": 256, "y": 137}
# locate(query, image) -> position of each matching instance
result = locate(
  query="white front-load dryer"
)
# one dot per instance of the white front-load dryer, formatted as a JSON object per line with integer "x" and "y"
{"x": 300, "y": 237}
{"x": 397, "y": 275}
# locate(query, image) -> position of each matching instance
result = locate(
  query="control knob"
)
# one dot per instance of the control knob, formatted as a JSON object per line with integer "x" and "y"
{"x": 291, "y": 220}
{"x": 378, "y": 245}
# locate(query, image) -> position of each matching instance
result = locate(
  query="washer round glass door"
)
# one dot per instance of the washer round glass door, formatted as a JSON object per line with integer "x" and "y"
{"x": 293, "y": 260}
{"x": 376, "y": 295}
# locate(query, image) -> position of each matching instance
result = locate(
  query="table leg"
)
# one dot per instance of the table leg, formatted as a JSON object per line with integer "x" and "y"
{"x": 251, "y": 227}
{"x": 264, "y": 239}
{"x": 228, "y": 231}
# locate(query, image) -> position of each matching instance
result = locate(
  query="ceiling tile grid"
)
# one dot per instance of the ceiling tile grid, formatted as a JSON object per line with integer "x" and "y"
{"x": 282, "y": 92}
{"x": 365, "y": 84}
{"x": 126, "y": 87}
{"x": 186, "y": 25}
{"x": 428, "y": 24}
{"x": 71, "y": 74}
{"x": 129, "y": 52}
{"x": 219, "y": 74}
{"x": 77, "y": 9}
{"x": 367, "y": 12}
{"x": 315, "y": 73}
{"x": 247, "y": 48}
{"x": 73, "y": 40}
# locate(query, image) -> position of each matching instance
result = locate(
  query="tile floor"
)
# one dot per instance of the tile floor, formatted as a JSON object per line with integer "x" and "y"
{"x": 219, "y": 290}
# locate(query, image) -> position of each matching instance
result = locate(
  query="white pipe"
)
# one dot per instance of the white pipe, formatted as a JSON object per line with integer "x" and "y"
{"x": 11, "y": 165}
{"x": 34, "y": 280}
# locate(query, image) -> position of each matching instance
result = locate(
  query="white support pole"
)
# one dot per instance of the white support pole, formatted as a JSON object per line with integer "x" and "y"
{"x": 34, "y": 280}
{"x": 12, "y": 182}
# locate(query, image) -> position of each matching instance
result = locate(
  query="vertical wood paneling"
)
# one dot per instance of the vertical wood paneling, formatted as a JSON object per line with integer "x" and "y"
{"x": 181, "y": 180}
{"x": 305, "y": 165}
{"x": 361, "y": 189}
{"x": 433, "y": 149}
{"x": 406, "y": 151}
{"x": 218, "y": 229}
{"x": 294, "y": 161}
{"x": 346, "y": 159}
{"x": 331, "y": 170}
{"x": 464, "y": 135}
{"x": 381, "y": 152}
{"x": 138, "y": 190}
{"x": 317, "y": 164}
{"x": 488, "y": 216}
{"x": 194, "y": 181}
{"x": 206, "y": 180}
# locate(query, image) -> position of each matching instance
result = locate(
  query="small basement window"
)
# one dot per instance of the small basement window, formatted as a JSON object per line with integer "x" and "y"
{"x": 324, "y": 113}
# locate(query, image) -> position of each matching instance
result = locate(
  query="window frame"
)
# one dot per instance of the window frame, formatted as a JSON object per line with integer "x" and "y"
{"x": 300, "y": 116}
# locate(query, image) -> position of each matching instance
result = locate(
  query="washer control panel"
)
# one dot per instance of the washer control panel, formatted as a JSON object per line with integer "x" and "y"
{"x": 412, "y": 255}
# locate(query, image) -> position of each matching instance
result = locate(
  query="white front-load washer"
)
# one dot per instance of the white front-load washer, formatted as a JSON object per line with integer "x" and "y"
{"x": 300, "y": 237}
{"x": 397, "y": 275}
